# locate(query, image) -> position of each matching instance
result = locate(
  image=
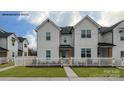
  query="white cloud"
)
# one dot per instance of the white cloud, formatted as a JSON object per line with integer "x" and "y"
{"x": 109, "y": 18}
{"x": 32, "y": 39}
{"x": 67, "y": 18}
{"x": 60, "y": 18}
{"x": 34, "y": 17}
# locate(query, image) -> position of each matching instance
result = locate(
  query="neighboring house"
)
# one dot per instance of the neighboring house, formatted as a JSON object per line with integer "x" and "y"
{"x": 111, "y": 42}
{"x": 22, "y": 46}
{"x": 85, "y": 39}
{"x": 8, "y": 44}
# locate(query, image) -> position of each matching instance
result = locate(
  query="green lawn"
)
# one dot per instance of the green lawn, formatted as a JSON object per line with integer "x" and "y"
{"x": 98, "y": 71}
{"x": 6, "y": 65}
{"x": 34, "y": 72}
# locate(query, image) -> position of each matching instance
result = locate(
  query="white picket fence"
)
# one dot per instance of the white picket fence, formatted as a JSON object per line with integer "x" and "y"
{"x": 34, "y": 61}
{"x": 4, "y": 60}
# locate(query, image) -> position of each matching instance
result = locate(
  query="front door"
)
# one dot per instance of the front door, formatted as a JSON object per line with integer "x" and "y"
{"x": 110, "y": 52}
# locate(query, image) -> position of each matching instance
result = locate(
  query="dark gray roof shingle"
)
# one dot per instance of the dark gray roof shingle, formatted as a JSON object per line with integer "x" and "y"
{"x": 21, "y": 39}
{"x": 65, "y": 46}
{"x": 108, "y": 29}
{"x": 4, "y": 33}
{"x": 105, "y": 44}
{"x": 66, "y": 30}
{"x": 3, "y": 49}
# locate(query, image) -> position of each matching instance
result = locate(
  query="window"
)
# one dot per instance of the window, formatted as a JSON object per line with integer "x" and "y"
{"x": 48, "y": 53}
{"x": 25, "y": 45}
{"x": 25, "y": 53}
{"x": 65, "y": 41}
{"x": 122, "y": 36}
{"x": 88, "y": 33}
{"x": 48, "y": 36}
{"x": 122, "y": 53}
{"x": 13, "y": 41}
{"x": 85, "y": 52}
{"x": 13, "y": 54}
{"x": 85, "y": 33}
{"x": 88, "y": 52}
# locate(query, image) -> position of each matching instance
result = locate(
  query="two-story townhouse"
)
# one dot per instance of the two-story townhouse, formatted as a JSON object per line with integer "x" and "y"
{"x": 86, "y": 39}
{"x": 111, "y": 41}
{"x": 77, "y": 41}
{"x": 22, "y": 46}
{"x": 48, "y": 40}
{"x": 8, "y": 44}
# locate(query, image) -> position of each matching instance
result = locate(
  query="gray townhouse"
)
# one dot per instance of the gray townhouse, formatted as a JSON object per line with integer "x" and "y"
{"x": 86, "y": 39}
{"x": 10, "y": 45}
{"x": 22, "y": 46}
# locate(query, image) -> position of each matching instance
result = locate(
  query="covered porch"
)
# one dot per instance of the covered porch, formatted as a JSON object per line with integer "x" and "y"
{"x": 66, "y": 53}
{"x": 105, "y": 50}
{"x": 3, "y": 52}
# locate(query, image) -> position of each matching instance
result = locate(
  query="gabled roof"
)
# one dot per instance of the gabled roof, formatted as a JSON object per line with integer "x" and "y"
{"x": 44, "y": 22}
{"x": 109, "y": 29}
{"x": 21, "y": 39}
{"x": 3, "y": 49}
{"x": 87, "y": 17}
{"x": 66, "y": 30}
{"x": 4, "y": 33}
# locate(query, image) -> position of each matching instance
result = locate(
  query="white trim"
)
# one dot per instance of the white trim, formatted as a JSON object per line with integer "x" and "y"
{"x": 44, "y": 22}
{"x": 87, "y": 17}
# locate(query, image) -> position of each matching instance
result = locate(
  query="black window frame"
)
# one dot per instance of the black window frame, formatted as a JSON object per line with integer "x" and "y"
{"x": 83, "y": 33}
{"x": 89, "y": 34}
{"x": 48, "y": 53}
{"x": 48, "y": 36}
{"x": 122, "y": 53}
{"x": 85, "y": 52}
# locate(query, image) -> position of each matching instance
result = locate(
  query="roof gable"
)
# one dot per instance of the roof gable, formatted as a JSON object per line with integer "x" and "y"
{"x": 44, "y": 22}
{"x": 21, "y": 39}
{"x": 90, "y": 19}
{"x": 109, "y": 29}
{"x": 4, "y": 33}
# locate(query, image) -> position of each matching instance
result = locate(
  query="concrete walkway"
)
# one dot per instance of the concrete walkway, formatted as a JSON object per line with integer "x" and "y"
{"x": 60, "y": 79}
{"x": 70, "y": 73}
{"x": 6, "y": 68}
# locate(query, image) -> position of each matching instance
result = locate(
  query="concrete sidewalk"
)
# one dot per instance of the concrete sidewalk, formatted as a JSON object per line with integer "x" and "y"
{"x": 6, "y": 68}
{"x": 70, "y": 73}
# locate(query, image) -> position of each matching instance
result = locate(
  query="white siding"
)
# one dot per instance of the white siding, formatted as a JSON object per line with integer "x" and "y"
{"x": 86, "y": 42}
{"x": 69, "y": 39}
{"x": 107, "y": 38}
{"x": 100, "y": 38}
{"x": 119, "y": 44}
{"x": 12, "y": 48}
{"x": 25, "y": 49}
{"x": 20, "y": 45}
{"x": 3, "y": 42}
{"x": 43, "y": 44}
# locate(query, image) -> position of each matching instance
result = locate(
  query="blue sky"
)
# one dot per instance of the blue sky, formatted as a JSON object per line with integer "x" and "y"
{"x": 23, "y": 25}
{"x": 12, "y": 24}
